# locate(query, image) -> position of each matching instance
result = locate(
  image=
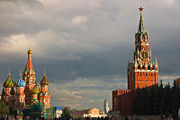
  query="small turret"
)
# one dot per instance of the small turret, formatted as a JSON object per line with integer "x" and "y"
{"x": 136, "y": 62}
{"x": 44, "y": 81}
{"x": 156, "y": 63}
{"x": 146, "y": 65}
{"x": 20, "y": 96}
{"x": 44, "y": 96}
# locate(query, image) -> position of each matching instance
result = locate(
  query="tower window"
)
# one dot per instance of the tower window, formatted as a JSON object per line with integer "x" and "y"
{"x": 138, "y": 66}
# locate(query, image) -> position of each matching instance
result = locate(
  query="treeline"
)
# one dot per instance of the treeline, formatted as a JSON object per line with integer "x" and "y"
{"x": 157, "y": 100}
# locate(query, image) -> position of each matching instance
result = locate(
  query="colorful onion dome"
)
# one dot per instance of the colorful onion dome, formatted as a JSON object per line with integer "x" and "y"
{"x": 35, "y": 90}
{"x": 9, "y": 83}
{"x": 20, "y": 82}
{"x": 44, "y": 81}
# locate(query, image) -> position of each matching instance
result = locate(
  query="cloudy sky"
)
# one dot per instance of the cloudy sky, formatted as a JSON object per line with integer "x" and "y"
{"x": 85, "y": 45}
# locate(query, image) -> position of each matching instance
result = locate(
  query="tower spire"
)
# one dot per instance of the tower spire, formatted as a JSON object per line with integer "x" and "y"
{"x": 9, "y": 71}
{"x": 156, "y": 62}
{"x": 29, "y": 54}
{"x": 29, "y": 78}
{"x": 45, "y": 72}
{"x": 141, "y": 22}
{"x": 29, "y": 65}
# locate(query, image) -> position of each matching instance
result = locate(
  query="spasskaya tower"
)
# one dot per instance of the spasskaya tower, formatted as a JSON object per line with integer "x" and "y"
{"x": 142, "y": 71}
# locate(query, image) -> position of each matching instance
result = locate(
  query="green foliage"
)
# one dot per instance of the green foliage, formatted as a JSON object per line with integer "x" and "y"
{"x": 66, "y": 114}
{"x": 176, "y": 101}
{"x": 166, "y": 101}
{"x": 157, "y": 100}
{"x": 4, "y": 109}
{"x": 37, "y": 107}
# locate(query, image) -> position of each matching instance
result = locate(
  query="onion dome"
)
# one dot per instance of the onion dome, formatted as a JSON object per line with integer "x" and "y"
{"x": 20, "y": 82}
{"x": 44, "y": 81}
{"x": 35, "y": 90}
{"x": 8, "y": 83}
{"x": 29, "y": 51}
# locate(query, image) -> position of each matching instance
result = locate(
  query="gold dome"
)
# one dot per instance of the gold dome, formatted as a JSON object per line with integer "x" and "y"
{"x": 30, "y": 51}
{"x": 35, "y": 90}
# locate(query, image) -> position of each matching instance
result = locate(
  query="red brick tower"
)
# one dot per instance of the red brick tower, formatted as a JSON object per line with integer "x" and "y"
{"x": 44, "y": 95}
{"x": 20, "y": 96}
{"x": 29, "y": 78}
{"x": 142, "y": 72}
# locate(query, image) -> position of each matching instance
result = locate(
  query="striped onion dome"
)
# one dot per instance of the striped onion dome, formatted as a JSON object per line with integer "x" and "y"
{"x": 35, "y": 90}
{"x": 20, "y": 82}
{"x": 8, "y": 83}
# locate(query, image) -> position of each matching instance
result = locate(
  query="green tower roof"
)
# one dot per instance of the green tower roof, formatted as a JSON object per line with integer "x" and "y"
{"x": 141, "y": 27}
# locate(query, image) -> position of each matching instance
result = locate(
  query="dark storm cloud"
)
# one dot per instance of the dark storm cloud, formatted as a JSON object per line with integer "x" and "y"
{"x": 85, "y": 45}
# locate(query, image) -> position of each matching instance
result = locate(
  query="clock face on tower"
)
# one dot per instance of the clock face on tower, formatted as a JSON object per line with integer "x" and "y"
{"x": 144, "y": 54}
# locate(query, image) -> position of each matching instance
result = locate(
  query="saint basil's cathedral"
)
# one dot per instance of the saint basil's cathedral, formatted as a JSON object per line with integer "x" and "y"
{"x": 24, "y": 92}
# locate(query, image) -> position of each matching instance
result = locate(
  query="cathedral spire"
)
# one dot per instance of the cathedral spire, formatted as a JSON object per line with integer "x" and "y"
{"x": 29, "y": 78}
{"x": 141, "y": 22}
{"x": 29, "y": 65}
{"x": 45, "y": 72}
{"x": 29, "y": 54}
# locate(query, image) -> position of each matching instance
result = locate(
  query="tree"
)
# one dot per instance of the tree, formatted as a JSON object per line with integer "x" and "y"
{"x": 176, "y": 101}
{"x": 166, "y": 103}
{"x": 157, "y": 101}
{"x": 66, "y": 114}
{"x": 150, "y": 101}
{"x": 4, "y": 111}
